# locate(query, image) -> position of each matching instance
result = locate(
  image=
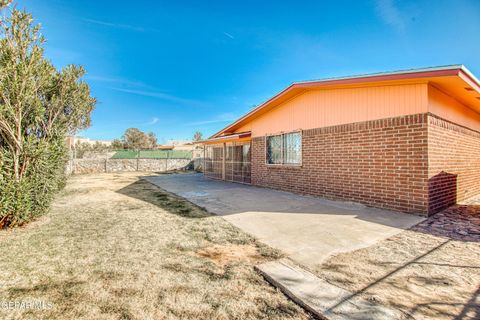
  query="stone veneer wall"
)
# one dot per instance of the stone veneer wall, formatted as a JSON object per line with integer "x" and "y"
{"x": 82, "y": 166}
{"x": 381, "y": 163}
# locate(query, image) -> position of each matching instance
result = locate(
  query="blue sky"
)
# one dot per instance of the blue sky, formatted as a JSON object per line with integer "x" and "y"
{"x": 174, "y": 67}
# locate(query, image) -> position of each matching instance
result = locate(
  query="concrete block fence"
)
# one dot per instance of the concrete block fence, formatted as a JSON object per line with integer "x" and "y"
{"x": 83, "y": 166}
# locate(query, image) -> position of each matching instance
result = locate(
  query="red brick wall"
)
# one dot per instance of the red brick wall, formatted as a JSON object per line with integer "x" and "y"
{"x": 381, "y": 163}
{"x": 454, "y": 163}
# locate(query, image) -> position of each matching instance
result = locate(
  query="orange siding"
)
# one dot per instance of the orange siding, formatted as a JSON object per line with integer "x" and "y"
{"x": 245, "y": 128}
{"x": 450, "y": 109}
{"x": 330, "y": 107}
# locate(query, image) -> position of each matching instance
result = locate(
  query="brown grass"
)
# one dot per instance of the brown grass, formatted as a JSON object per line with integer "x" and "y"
{"x": 426, "y": 276}
{"x": 116, "y": 247}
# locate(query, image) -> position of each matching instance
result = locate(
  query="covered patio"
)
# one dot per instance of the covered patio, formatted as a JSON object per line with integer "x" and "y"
{"x": 228, "y": 158}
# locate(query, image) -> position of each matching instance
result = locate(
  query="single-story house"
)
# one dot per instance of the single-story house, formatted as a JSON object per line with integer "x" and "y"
{"x": 406, "y": 140}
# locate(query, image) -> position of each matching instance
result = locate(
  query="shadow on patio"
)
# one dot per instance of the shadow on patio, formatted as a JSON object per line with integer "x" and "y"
{"x": 145, "y": 191}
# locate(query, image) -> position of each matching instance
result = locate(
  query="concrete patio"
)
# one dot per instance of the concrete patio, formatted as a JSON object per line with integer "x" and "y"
{"x": 308, "y": 229}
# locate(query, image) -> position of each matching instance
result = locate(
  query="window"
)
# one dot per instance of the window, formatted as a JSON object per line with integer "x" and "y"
{"x": 284, "y": 149}
{"x": 274, "y": 149}
{"x": 292, "y": 148}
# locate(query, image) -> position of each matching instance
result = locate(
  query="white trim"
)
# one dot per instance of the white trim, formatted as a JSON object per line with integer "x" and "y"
{"x": 470, "y": 74}
{"x": 389, "y": 73}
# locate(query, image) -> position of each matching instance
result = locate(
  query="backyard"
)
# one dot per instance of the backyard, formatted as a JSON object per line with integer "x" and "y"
{"x": 150, "y": 172}
{"x": 424, "y": 268}
{"x": 116, "y": 247}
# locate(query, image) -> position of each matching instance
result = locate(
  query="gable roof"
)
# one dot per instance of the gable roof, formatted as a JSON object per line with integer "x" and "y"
{"x": 455, "y": 80}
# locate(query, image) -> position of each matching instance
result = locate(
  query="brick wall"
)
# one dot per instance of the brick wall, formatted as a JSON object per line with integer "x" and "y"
{"x": 381, "y": 163}
{"x": 454, "y": 163}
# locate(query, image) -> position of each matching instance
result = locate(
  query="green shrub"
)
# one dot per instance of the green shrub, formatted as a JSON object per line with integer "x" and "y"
{"x": 39, "y": 106}
{"x": 25, "y": 199}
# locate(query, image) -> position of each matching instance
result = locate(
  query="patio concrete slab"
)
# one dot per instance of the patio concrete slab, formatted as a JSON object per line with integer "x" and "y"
{"x": 308, "y": 229}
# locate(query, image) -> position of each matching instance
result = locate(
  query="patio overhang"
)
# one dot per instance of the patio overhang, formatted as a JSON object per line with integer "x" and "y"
{"x": 237, "y": 137}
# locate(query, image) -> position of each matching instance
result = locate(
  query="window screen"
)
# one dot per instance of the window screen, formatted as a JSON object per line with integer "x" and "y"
{"x": 274, "y": 149}
{"x": 292, "y": 148}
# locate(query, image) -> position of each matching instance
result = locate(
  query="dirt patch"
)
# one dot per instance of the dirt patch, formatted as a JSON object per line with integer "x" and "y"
{"x": 224, "y": 255}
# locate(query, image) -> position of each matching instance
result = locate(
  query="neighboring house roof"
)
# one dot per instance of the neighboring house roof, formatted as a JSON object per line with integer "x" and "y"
{"x": 162, "y": 147}
{"x": 455, "y": 80}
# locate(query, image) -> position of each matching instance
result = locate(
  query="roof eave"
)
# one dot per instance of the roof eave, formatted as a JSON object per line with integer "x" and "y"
{"x": 451, "y": 70}
{"x": 474, "y": 82}
{"x": 236, "y": 136}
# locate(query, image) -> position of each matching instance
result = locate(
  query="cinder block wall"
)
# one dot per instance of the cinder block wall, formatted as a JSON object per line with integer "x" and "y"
{"x": 454, "y": 163}
{"x": 381, "y": 163}
{"x": 84, "y": 166}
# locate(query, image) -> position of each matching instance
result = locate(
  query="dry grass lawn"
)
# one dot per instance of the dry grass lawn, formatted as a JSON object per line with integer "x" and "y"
{"x": 116, "y": 247}
{"x": 425, "y": 276}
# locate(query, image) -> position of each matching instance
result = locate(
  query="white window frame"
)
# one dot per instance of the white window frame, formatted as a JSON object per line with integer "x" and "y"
{"x": 283, "y": 164}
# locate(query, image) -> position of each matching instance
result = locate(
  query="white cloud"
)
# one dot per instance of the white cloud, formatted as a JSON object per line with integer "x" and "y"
{"x": 224, "y": 117}
{"x": 119, "y": 25}
{"x": 115, "y": 80}
{"x": 391, "y": 15}
{"x": 115, "y": 25}
{"x": 229, "y": 35}
{"x": 141, "y": 89}
{"x": 153, "y": 121}
{"x": 199, "y": 123}
{"x": 157, "y": 94}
